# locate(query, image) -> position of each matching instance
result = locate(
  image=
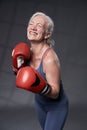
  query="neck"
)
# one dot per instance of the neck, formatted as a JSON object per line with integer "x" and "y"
{"x": 37, "y": 48}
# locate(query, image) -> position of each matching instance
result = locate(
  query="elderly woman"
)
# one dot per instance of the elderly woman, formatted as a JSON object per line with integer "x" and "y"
{"x": 52, "y": 107}
{"x": 43, "y": 76}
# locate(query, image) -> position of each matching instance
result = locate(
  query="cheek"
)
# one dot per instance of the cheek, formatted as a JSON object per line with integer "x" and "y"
{"x": 41, "y": 32}
{"x": 41, "y": 35}
{"x": 28, "y": 29}
{"x": 27, "y": 33}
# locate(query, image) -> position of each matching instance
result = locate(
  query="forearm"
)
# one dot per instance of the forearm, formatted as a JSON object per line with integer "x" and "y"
{"x": 53, "y": 93}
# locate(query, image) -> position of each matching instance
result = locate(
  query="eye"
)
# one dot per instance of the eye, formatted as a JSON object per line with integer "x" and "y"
{"x": 31, "y": 23}
{"x": 39, "y": 25}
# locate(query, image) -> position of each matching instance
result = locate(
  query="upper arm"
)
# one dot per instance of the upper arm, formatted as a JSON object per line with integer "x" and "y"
{"x": 52, "y": 71}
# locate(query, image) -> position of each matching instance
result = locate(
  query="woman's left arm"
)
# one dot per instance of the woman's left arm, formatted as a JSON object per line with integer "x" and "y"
{"x": 51, "y": 66}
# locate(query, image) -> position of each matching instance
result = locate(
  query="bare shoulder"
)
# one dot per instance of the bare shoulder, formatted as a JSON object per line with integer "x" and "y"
{"x": 51, "y": 59}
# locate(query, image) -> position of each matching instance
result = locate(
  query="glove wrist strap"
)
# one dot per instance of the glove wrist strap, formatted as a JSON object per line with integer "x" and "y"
{"x": 46, "y": 90}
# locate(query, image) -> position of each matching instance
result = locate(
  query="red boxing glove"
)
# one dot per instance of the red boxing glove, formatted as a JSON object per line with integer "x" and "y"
{"x": 20, "y": 55}
{"x": 29, "y": 79}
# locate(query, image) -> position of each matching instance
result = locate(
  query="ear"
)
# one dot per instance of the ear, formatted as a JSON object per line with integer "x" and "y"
{"x": 47, "y": 35}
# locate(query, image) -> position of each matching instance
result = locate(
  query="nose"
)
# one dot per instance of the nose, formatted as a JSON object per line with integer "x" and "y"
{"x": 34, "y": 27}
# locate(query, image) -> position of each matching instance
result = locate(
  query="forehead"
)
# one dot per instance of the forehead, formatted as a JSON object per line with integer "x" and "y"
{"x": 39, "y": 18}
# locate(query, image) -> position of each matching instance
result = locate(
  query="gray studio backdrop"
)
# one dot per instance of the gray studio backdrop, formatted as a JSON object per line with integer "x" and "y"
{"x": 70, "y": 35}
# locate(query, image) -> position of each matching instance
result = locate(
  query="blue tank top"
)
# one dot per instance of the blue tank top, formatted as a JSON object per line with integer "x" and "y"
{"x": 62, "y": 99}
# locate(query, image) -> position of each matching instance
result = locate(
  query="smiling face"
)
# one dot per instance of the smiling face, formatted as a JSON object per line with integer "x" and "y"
{"x": 36, "y": 30}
